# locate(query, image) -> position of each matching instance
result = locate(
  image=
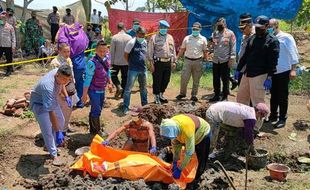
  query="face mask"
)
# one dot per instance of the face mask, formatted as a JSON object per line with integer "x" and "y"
{"x": 135, "y": 27}
{"x": 195, "y": 32}
{"x": 163, "y": 31}
{"x": 34, "y": 17}
{"x": 88, "y": 29}
{"x": 135, "y": 118}
{"x": 260, "y": 32}
{"x": 11, "y": 14}
{"x": 1, "y": 22}
{"x": 140, "y": 40}
{"x": 220, "y": 28}
{"x": 270, "y": 30}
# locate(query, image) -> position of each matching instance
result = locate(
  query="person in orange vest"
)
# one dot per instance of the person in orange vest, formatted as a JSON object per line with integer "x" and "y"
{"x": 140, "y": 134}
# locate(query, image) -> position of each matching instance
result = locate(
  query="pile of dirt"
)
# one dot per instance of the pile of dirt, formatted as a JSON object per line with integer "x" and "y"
{"x": 290, "y": 160}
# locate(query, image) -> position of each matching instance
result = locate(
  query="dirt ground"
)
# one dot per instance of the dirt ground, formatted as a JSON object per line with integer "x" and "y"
{"x": 25, "y": 165}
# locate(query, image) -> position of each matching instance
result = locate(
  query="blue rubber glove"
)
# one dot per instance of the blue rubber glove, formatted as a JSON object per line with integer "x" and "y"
{"x": 69, "y": 101}
{"x": 105, "y": 143}
{"x": 236, "y": 75}
{"x": 59, "y": 137}
{"x": 177, "y": 173}
{"x": 268, "y": 84}
{"x": 153, "y": 150}
{"x": 174, "y": 165}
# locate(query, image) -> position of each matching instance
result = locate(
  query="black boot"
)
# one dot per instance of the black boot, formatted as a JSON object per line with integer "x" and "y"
{"x": 119, "y": 91}
{"x": 234, "y": 83}
{"x": 96, "y": 127}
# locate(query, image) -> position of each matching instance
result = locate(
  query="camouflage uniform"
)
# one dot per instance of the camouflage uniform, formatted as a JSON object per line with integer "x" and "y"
{"x": 33, "y": 34}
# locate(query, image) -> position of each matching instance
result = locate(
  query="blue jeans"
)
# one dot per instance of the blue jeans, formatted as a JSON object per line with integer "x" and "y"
{"x": 131, "y": 78}
{"x": 96, "y": 102}
{"x": 49, "y": 135}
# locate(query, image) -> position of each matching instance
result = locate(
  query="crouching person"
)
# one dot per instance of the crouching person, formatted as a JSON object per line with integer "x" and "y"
{"x": 44, "y": 104}
{"x": 193, "y": 132}
{"x": 233, "y": 114}
{"x": 140, "y": 134}
{"x": 97, "y": 79}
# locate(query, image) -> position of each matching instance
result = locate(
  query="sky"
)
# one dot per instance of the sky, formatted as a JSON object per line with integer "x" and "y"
{"x": 45, "y": 4}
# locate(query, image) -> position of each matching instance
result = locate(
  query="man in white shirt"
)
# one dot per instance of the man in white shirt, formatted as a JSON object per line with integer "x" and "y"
{"x": 288, "y": 58}
{"x": 94, "y": 20}
{"x": 194, "y": 48}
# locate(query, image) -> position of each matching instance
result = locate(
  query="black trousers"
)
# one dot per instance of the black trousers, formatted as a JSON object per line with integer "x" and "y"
{"x": 279, "y": 95}
{"x": 202, "y": 152}
{"x": 114, "y": 75}
{"x": 54, "y": 30}
{"x": 9, "y": 57}
{"x": 221, "y": 71}
{"x": 161, "y": 76}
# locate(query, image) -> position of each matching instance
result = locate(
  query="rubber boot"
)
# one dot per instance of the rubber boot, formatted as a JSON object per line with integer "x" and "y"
{"x": 96, "y": 128}
{"x": 91, "y": 125}
{"x": 157, "y": 99}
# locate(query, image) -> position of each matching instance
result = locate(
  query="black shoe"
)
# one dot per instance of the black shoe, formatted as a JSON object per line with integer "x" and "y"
{"x": 280, "y": 124}
{"x": 234, "y": 85}
{"x": 8, "y": 73}
{"x": 271, "y": 119}
{"x": 180, "y": 96}
{"x": 215, "y": 99}
{"x": 224, "y": 98}
{"x": 194, "y": 98}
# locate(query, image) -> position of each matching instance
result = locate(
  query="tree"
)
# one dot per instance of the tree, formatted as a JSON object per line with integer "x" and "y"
{"x": 10, "y": 4}
{"x": 303, "y": 17}
{"x": 87, "y": 8}
{"x": 167, "y": 5}
{"x": 26, "y": 4}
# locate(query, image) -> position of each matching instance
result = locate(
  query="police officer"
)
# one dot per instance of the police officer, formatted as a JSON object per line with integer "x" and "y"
{"x": 162, "y": 56}
{"x": 68, "y": 18}
{"x": 224, "y": 55}
{"x": 140, "y": 134}
{"x": 194, "y": 47}
{"x": 135, "y": 25}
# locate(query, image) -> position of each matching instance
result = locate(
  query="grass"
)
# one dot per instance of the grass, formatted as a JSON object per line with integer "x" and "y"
{"x": 300, "y": 85}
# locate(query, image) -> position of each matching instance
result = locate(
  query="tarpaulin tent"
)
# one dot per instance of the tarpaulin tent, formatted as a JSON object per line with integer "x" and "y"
{"x": 110, "y": 162}
{"x": 208, "y": 11}
{"x": 178, "y": 22}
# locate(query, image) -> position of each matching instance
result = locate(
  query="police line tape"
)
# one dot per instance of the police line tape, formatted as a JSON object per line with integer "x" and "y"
{"x": 52, "y": 57}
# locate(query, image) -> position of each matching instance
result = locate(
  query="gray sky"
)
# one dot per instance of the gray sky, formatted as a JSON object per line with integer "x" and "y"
{"x": 44, "y": 4}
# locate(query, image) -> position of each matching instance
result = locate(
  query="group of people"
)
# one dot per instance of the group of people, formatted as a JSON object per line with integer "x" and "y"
{"x": 266, "y": 61}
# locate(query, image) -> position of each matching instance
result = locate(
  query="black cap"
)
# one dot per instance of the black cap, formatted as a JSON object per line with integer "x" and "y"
{"x": 54, "y": 7}
{"x": 245, "y": 18}
{"x": 141, "y": 30}
{"x": 68, "y": 9}
{"x": 261, "y": 21}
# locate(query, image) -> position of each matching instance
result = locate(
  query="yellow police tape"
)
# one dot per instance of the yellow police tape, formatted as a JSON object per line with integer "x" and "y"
{"x": 51, "y": 57}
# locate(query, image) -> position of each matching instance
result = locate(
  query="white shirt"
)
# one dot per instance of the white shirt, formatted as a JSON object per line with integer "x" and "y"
{"x": 288, "y": 55}
{"x": 195, "y": 46}
{"x": 231, "y": 113}
{"x": 94, "y": 19}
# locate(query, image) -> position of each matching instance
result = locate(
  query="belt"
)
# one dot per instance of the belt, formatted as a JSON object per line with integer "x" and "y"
{"x": 193, "y": 59}
{"x": 162, "y": 59}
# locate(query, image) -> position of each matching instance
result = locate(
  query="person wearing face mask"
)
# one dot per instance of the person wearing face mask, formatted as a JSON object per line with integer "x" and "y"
{"x": 53, "y": 20}
{"x": 7, "y": 42}
{"x": 194, "y": 47}
{"x": 260, "y": 59}
{"x": 162, "y": 57}
{"x": 192, "y": 132}
{"x": 232, "y": 114}
{"x": 68, "y": 18}
{"x": 118, "y": 62}
{"x": 97, "y": 79}
{"x": 90, "y": 35}
{"x": 286, "y": 70}
{"x": 135, "y": 55}
{"x": 140, "y": 133}
{"x": 46, "y": 108}
{"x": 247, "y": 28}
{"x": 224, "y": 55}
{"x": 33, "y": 34}
{"x": 135, "y": 25}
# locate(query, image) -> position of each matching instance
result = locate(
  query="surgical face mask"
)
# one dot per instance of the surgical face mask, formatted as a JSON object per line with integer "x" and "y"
{"x": 1, "y": 22}
{"x": 260, "y": 32}
{"x": 135, "y": 118}
{"x": 163, "y": 31}
{"x": 220, "y": 28}
{"x": 270, "y": 30}
{"x": 135, "y": 27}
{"x": 140, "y": 40}
{"x": 10, "y": 14}
{"x": 195, "y": 32}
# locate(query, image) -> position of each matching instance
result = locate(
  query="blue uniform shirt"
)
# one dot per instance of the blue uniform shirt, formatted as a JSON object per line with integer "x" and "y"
{"x": 45, "y": 92}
